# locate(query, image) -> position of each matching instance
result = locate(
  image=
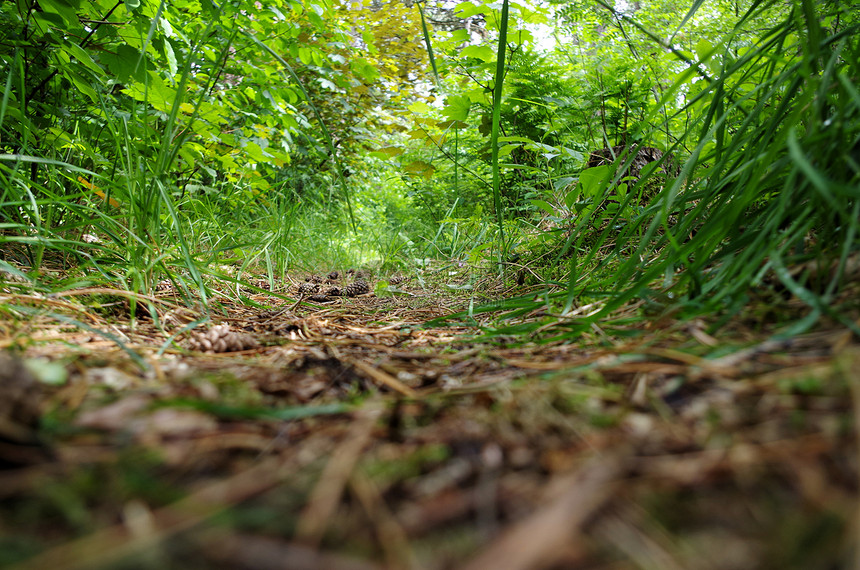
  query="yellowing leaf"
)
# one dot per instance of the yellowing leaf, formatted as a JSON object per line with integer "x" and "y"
{"x": 419, "y": 108}
{"x": 95, "y": 190}
{"x": 388, "y": 152}
{"x": 420, "y": 168}
{"x": 451, "y": 124}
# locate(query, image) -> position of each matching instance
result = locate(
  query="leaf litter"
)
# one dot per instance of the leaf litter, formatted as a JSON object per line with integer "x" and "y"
{"x": 350, "y": 435}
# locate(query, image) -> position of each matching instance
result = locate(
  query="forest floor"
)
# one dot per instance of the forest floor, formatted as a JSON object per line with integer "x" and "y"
{"x": 350, "y": 435}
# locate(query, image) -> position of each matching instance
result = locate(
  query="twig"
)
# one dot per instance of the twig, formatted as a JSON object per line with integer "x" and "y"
{"x": 326, "y": 495}
{"x": 537, "y": 541}
{"x": 116, "y": 542}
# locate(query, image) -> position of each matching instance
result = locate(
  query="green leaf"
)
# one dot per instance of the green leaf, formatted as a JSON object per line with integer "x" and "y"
{"x": 45, "y": 22}
{"x": 125, "y": 64}
{"x": 705, "y": 49}
{"x": 466, "y": 9}
{"x": 364, "y": 70}
{"x": 571, "y": 197}
{"x": 316, "y": 20}
{"x": 157, "y": 92}
{"x": 484, "y": 53}
{"x": 84, "y": 58}
{"x": 165, "y": 25}
{"x": 82, "y": 84}
{"x": 530, "y": 142}
{"x": 457, "y": 107}
{"x": 256, "y": 153}
{"x": 171, "y": 58}
{"x": 593, "y": 179}
{"x": 459, "y": 36}
{"x": 305, "y": 55}
{"x": 507, "y": 149}
{"x": 543, "y": 205}
{"x": 62, "y": 9}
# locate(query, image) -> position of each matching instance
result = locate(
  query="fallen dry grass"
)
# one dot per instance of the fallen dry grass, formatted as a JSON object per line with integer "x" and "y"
{"x": 349, "y": 436}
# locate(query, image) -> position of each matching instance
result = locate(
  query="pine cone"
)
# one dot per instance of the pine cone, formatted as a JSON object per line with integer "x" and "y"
{"x": 320, "y": 299}
{"x": 333, "y": 275}
{"x": 357, "y": 287}
{"x": 315, "y": 279}
{"x": 398, "y": 279}
{"x": 221, "y": 339}
{"x": 334, "y": 291}
{"x": 308, "y": 288}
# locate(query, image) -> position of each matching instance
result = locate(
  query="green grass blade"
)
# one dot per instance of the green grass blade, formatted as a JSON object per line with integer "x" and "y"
{"x": 494, "y": 135}
{"x": 426, "y": 31}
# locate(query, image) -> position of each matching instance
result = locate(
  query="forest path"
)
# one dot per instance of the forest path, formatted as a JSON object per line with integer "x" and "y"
{"x": 349, "y": 435}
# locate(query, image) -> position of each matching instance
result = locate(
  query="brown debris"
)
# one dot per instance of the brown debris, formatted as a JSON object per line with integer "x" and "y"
{"x": 355, "y": 436}
{"x": 20, "y": 397}
{"x": 114, "y": 543}
{"x": 326, "y": 495}
{"x": 20, "y": 411}
{"x": 538, "y": 540}
{"x": 265, "y": 553}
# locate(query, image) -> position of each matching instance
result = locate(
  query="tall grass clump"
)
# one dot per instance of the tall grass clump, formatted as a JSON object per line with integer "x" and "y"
{"x": 146, "y": 141}
{"x": 767, "y": 187}
{"x": 772, "y": 180}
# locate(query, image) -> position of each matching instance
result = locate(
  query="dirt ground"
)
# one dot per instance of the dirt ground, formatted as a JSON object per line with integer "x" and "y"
{"x": 351, "y": 435}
